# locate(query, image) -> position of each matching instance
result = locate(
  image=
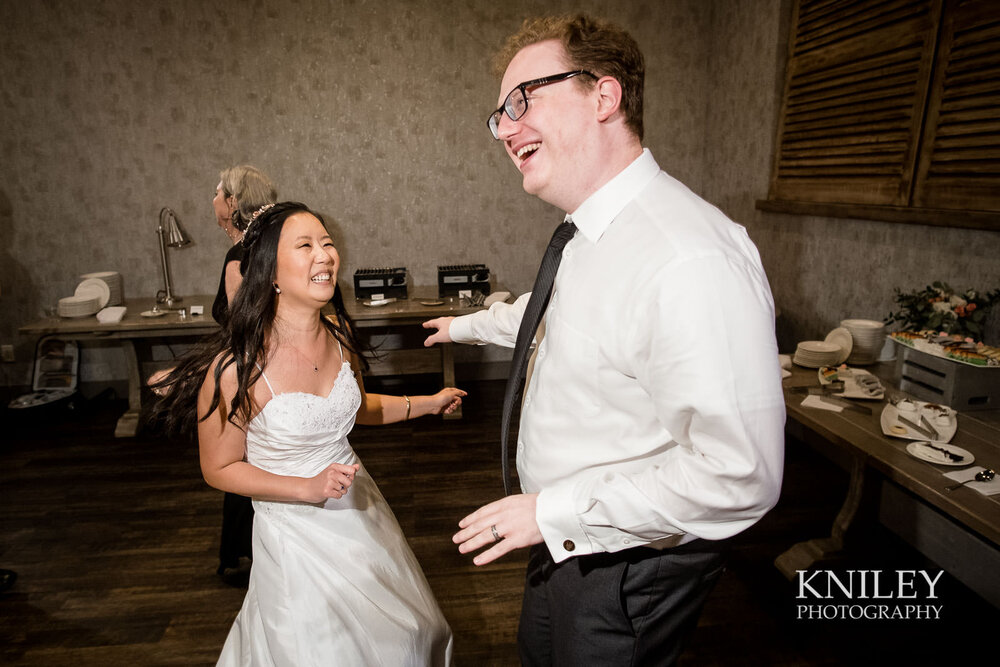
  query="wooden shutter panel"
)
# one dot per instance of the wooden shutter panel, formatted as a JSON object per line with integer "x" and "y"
{"x": 960, "y": 163}
{"x": 855, "y": 92}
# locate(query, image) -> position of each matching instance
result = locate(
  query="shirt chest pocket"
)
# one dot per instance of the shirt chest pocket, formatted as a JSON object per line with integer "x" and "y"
{"x": 572, "y": 365}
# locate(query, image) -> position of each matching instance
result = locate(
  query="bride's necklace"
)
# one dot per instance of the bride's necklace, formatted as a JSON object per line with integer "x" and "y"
{"x": 312, "y": 363}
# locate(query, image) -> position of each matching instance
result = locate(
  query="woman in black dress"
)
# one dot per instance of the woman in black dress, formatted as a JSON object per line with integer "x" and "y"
{"x": 241, "y": 192}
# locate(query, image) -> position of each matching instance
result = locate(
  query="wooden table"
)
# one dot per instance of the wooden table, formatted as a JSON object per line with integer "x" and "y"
{"x": 396, "y": 332}
{"x": 403, "y": 314}
{"x": 132, "y": 328}
{"x": 877, "y": 462}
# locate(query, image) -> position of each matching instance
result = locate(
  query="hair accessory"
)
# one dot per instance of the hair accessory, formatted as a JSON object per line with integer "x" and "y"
{"x": 256, "y": 214}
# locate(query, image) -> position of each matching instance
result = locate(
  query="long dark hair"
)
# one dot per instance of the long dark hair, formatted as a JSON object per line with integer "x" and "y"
{"x": 242, "y": 340}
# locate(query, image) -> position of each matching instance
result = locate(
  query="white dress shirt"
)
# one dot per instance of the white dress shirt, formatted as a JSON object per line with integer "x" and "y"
{"x": 654, "y": 414}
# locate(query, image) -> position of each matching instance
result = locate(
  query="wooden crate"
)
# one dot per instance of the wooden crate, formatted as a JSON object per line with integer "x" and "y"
{"x": 952, "y": 383}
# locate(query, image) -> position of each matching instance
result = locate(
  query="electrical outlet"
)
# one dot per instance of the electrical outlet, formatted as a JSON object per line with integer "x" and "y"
{"x": 7, "y": 353}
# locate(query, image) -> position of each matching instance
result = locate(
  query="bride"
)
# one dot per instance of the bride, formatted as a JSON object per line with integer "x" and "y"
{"x": 278, "y": 390}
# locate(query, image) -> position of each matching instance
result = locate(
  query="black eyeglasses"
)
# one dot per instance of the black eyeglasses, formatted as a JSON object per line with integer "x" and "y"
{"x": 516, "y": 104}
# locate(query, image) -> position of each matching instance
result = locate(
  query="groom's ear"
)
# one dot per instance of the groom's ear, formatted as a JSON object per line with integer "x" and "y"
{"x": 609, "y": 97}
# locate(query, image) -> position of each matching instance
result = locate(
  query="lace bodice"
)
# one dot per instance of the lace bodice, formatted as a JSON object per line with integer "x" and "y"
{"x": 297, "y": 433}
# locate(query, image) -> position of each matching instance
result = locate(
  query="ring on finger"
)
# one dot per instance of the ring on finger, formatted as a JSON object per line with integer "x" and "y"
{"x": 496, "y": 536}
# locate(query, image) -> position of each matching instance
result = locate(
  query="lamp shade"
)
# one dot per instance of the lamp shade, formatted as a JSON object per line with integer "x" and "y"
{"x": 176, "y": 238}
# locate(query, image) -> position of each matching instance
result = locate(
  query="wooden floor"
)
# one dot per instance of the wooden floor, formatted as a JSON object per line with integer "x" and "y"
{"x": 116, "y": 541}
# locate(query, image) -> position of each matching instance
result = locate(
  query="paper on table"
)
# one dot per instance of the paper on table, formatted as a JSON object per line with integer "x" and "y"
{"x": 813, "y": 401}
{"x": 989, "y": 488}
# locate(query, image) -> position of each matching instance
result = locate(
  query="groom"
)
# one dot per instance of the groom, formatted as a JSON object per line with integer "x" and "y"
{"x": 652, "y": 423}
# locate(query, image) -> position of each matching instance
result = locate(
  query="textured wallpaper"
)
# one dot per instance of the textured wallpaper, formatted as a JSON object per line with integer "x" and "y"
{"x": 821, "y": 270}
{"x": 371, "y": 112}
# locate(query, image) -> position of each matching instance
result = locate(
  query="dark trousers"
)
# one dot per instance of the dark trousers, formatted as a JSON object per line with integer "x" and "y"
{"x": 634, "y": 607}
{"x": 237, "y": 531}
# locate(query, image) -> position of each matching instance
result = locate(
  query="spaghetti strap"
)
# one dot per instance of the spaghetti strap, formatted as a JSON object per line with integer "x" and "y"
{"x": 340, "y": 346}
{"x": 266, "y": 381}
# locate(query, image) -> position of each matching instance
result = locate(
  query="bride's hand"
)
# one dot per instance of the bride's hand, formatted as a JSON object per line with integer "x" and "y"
{"x": 158, "y": 376}
{"x": 333, "y": 482}
{"x": 447, "y": 401}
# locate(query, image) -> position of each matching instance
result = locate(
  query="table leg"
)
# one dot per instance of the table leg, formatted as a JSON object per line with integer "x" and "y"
{"x": 448, "y": 373}
{"x": 128, "y": 423}
{"x": 804, "y": 555}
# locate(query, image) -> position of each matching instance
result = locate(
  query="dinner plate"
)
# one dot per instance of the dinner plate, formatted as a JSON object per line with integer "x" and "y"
{"x": 890, "y": 419}
{"x": 113, "y": 280}
{"x": 841, "y": 337}
{"x": 856, "y": 381}
{"x": 435, "y": 302}
{"x": 153, "y": 313}
{"x": 94, "y": 287}
{"x": 925, "y": 452}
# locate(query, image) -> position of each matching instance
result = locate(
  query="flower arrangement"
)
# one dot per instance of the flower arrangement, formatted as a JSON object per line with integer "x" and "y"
{"x": 939, "y": 308}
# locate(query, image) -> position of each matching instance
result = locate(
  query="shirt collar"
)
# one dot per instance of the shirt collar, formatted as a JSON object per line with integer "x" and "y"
{"x": 594, "y": 215}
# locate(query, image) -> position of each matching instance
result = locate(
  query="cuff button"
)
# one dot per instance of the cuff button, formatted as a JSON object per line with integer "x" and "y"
{"x": 568, "y": 545}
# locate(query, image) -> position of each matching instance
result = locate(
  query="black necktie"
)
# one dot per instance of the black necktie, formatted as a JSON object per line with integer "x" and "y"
{"x": 537, "y": 302}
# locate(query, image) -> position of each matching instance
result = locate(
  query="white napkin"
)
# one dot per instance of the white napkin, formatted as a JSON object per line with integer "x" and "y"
{"x": 785, "y": 360}
{"x": 989, "y": 488}
{"x": 111, "y": 315}
{"x": 813, "y": 401}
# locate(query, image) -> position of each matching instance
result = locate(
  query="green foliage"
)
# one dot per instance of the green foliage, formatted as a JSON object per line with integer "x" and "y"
{"x": 938, "y": 307}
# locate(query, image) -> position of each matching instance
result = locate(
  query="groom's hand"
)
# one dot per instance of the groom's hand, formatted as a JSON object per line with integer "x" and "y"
{"x": 513, "y": 519}
{"x": 442, "y": 333}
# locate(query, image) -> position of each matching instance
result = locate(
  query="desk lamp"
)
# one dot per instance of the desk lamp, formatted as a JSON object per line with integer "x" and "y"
{"x": 171, "y": 234}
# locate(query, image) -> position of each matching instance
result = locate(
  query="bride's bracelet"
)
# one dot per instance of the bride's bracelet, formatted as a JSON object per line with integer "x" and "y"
{"x": 407, "y": 399}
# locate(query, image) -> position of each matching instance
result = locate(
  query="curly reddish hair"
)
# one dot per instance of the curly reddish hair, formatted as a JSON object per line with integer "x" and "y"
{"x": 591, "y": 44}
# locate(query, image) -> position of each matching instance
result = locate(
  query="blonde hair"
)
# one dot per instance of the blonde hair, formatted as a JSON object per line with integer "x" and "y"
{"x": 591, "y": 44}
{"x": 251, "y": 189}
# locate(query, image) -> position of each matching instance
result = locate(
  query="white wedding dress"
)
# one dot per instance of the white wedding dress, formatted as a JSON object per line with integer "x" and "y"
{"x": 332, "y": 583}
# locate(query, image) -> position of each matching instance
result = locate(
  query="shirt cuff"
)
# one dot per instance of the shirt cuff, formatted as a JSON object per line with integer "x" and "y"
{"x": 556, "y": 518}
{"x": 460, "y": 330}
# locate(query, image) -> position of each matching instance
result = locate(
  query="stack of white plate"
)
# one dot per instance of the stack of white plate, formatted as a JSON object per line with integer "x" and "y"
{"x": 817, "y": 353}
{"x": 868, "y": 336}
{"x": 79, "y": 306}
{"x": 113, "y": 279}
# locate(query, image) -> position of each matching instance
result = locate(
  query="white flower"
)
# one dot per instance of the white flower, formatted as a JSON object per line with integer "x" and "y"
{"x": 942, "y": 306}
{"x": 955, "y": 301}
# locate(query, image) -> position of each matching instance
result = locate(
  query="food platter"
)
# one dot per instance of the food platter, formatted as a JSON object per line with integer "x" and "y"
{"x": 941, "y": 418}
{"x": 858, "y": 383}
